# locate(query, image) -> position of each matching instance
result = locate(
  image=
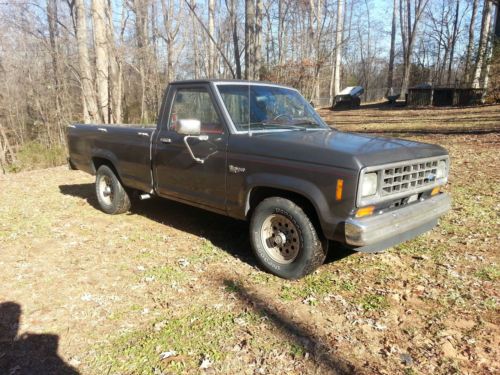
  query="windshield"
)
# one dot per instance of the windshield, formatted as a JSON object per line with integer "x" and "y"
{"x": 261, "y": 107}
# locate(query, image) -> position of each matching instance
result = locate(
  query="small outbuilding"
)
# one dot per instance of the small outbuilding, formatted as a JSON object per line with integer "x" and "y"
{"x": 426, "y": 95}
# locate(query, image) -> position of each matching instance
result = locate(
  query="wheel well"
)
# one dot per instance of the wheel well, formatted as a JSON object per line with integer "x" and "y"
{"x": 97, "y": 162}
{"x": 258, "y": 194}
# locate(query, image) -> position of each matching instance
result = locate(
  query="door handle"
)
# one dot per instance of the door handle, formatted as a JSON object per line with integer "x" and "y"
{"x": 143, "y": 134}
{"x": 165, "y": 140}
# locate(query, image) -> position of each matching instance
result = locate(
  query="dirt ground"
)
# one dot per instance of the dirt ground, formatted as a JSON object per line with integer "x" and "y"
{"x": 168, "y": 288}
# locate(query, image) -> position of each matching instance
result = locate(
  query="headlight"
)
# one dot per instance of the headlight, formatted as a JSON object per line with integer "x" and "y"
{"x": 441, "y": 171}
{"x": 369, "y": 184}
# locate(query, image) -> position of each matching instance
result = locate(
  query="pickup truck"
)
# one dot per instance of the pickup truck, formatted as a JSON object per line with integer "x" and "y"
{"x": 259, "y": 152}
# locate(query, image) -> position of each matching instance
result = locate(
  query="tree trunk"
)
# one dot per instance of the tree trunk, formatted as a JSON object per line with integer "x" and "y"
{"x": 170, "y": 35}
{"x": 409, "y": 41}
{"x": 490, "y": 47}
{"x": 3, "y": 158}
{"x": 236, "y": 46}
{"x": 453, "y": 41}
{"x": 470, "y": 45}
{"x": 115, "y": 71}
{"x": 53, "y": 32}
{"x": 7, "y": 148}
{"x": 211, "y": 30}
{"x": 483, "y": 44}
{"x": 89, "y": 103}
{"x": 390, "y": 73}
{"x": 141, "y": 16}
{"x": 101, "y": 58}
{"x": 281, "y": 21}
{"x": 249, "y": 39}
{"x": 258, "y": 39}
{"x": 335, "y": 87}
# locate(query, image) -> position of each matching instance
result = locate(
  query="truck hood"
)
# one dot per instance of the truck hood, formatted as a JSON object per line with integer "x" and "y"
{"x": 340, "y": 149}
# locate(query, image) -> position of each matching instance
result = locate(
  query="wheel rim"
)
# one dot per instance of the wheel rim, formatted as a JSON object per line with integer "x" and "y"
{"x": 280, "y": 239}
{"x": 106, "y": 190}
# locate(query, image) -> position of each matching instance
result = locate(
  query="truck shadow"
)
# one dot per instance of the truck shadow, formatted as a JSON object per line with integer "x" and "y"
{"x": 226, "y": 233}
{"x": 292, "y": 328}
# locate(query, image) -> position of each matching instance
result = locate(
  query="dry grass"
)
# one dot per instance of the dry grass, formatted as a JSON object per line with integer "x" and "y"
{"x": 121, "y": 290}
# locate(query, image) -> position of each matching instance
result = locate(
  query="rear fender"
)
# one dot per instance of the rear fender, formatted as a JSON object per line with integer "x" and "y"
{"x": 108, "y": 156}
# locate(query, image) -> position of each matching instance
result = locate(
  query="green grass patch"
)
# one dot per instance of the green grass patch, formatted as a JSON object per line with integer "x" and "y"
{"x": 490, "y": 303}
{"x": 166, "y": 274}
{"x": 197, "y": 335}
{"x": 373, "y": 302}
{"x": 315, "y": 285}
{"x": 232, "y": 286}
{"x": 207, "y": 252}
{"x": 297, "y": 351}
{"x": 489, "y": 273}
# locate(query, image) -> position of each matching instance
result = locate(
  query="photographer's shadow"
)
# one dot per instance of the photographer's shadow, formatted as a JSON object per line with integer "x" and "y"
{"x": 28, "y": 353}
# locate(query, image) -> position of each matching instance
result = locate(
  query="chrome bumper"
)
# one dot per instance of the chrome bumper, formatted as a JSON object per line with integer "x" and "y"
{"x": 402, "y": 223}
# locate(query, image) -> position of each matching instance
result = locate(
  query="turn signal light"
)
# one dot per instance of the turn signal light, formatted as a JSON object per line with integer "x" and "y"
{"x": 340, "y": 186}
{"x": 435, "y": 190}
{"x": 365, "y": 211}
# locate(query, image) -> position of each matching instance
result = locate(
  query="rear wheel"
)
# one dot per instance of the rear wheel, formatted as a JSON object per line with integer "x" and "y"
{"x": 285, "y": 240}
{"x": 111, "y": 194}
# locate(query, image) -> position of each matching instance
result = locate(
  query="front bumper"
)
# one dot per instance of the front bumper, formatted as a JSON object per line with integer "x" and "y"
{"x": 378, "y": 232}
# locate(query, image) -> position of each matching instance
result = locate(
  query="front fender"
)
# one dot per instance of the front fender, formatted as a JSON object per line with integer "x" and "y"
{"x": 292, "y": 184}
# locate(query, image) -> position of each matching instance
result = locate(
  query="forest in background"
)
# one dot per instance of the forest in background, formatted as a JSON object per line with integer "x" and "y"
{"x": 109, "y": 61}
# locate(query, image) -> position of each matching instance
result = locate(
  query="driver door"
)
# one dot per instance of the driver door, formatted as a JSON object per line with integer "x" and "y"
{"x": 200, "y": 177}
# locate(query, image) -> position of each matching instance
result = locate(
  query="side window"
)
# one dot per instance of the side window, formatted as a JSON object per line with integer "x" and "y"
{"x": 195, "y": 104}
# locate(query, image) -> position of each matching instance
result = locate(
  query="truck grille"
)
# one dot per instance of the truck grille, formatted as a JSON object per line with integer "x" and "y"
{"x": 402, "y": 179}
{"x": 408, "y": 176}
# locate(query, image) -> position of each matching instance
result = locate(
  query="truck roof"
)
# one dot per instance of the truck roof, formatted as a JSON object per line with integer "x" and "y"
{"x": 190, "y": 81}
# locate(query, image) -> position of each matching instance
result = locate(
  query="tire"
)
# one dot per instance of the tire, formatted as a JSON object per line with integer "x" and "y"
{"x": 284, "y": 239}
{"x": 111, "y": 194}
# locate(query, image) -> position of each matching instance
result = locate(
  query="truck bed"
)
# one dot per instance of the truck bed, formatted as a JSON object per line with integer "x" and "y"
{"x": 128, "y": 146}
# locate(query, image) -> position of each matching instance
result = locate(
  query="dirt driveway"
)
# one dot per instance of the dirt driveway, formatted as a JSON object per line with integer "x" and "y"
{"x": 173, "y": 289}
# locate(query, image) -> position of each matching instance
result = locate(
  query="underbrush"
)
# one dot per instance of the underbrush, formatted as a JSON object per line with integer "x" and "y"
{"x": 34, "y": 155}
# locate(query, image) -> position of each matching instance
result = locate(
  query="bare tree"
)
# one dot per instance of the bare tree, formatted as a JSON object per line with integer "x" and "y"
{"x": 53, "y": 34}
{"x": 234, "y": 30}
{"x": 408, "y": 34}
{"x": 390, "y": 73}
{"x": 258, "y": 39}
{"x": 101, "y": 58}
{"x": 171, "y": 25}
{"x": 335, "y": 82}
{"x": 249, "y": 39}
{"x": 453, "y": 40}
{"x": 89, "y": 102}
{"x": 211, "y": 30}
{"x": 470, "y": 44}
{"x": 483, "y": 44}
{"x": 115, "y": 61}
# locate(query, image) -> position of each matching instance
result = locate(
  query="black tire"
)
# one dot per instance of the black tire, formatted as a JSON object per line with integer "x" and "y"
{"x": 312, "y": 247}
{"x": 116, "y": 200}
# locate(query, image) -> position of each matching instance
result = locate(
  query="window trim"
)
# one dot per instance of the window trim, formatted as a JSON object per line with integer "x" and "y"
{"x": 166, "y": 123}
{"x": 229, "y": 120}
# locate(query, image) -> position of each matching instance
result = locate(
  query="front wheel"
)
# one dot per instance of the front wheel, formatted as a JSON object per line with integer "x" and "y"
{"x": 112, "y": 197}
{"x": 285, "y": 240}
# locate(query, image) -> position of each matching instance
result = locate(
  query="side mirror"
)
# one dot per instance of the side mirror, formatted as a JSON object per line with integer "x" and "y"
{"x": 189, "y": 127}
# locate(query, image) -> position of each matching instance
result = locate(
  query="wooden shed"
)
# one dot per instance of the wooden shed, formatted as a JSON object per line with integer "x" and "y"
{"x": 443, "y": 96}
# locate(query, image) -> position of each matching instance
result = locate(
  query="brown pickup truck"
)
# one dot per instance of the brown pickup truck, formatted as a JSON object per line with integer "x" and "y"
{"x": 259, "y": 152}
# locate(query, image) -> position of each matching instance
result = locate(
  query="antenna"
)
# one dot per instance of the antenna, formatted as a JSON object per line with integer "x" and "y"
{"x": 249, "y": 110}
